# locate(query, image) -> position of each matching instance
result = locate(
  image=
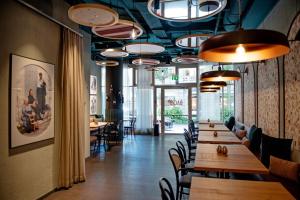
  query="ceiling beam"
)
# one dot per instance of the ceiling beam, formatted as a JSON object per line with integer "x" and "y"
{"x": 130, "y": 14}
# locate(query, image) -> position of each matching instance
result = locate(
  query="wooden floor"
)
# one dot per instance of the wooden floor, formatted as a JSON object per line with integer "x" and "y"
{"x": 128, "y": 172}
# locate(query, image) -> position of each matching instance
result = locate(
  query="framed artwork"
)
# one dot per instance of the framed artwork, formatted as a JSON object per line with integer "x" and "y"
{"x": 93, "y": 104}
{"x": 93, "y": 84}
{"x": 31, "y": 101}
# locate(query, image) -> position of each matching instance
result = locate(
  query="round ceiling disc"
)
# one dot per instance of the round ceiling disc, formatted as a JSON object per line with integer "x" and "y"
{"x": 191, "y": 41}
{"x": 144, "y": 48}
{"x": 187, "y": 59}
{"x": 108, "y": 63}
{"x": 92, "y": 14}
{"x": 201, "y": 9}
{"x": 145, "y": 61}
{"x": 119, "y": 31}
{"x": 151, "y": 68}
{"x": 114, "y": 53}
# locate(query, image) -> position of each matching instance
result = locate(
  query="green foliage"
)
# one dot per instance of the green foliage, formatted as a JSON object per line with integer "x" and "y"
{"x": 175, "y": 114}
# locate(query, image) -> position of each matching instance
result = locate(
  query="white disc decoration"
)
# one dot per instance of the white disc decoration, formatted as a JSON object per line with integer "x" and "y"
{"x": 145, "y": 61}
{"x": 145, "y": 48}
{"x": 108, "y": 63}
{"x": 187, "y": 59}
{"x": 92, "y": 14}
{"x": 119, "y": 31}
{"x": 191, "y": 41}
{"x": 114, "y": 53}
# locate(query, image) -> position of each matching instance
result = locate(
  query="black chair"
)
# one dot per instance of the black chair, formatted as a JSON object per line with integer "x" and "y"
{"x": 192, "y": 153}
{"x": 115, "y": 132}
{"x": 130, "y": 128}
{"x": 182, "y": 181}
{"x": 166, "y": 189}
{"x": 186, "y": 163}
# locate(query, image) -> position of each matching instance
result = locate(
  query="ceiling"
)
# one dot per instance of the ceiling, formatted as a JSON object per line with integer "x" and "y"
{"x": 166, "y": 32}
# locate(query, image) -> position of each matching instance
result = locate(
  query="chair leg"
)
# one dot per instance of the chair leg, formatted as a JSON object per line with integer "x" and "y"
{"x": 177, "y": 193}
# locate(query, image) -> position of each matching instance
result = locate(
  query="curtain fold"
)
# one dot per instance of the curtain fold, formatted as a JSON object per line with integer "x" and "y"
{"x": 72, "y": 160}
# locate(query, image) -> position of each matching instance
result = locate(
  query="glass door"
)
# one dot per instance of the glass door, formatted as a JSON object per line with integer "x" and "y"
{"x": 175, "y": 110}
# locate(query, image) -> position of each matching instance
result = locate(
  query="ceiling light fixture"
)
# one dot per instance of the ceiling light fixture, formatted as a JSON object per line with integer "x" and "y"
{"x": 212, "y": 84}
{"x": 207, "y": 90}
{"x": 93, "y": 14}
{"x": 114, "y": 53}
{"x": 244, "y": 45}
{"x": 107, "y": 63}
{"x": 145, "y": 61}
{"x": 220, "y": 75}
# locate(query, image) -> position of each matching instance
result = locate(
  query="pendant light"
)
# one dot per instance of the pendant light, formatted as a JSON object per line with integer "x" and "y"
{"x": 207, "y": 90}
{"x": 212, "y": 87}
{"x": 133, "y": 33}
{"x": 244, "y": 45}
{"x": 220, "y": 75}
{"x": 212, "y": 84}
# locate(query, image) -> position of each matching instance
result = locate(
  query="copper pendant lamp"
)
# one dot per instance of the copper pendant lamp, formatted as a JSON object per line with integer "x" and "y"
{"x": 207, "y": 90}
{"x": 220, "y": 75}
{"x": 244, "y": 46}
{"x": 212, "y": 87}
{"x": 213, "y": 84}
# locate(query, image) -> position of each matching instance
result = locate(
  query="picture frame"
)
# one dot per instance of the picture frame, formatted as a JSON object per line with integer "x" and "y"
{"x": 31, "y": 101}
{"x": 93, "y": 84}
{"x": 93, "y": 104}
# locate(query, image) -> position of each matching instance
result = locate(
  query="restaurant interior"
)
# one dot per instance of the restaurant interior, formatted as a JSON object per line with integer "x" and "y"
{"x": 150, "y": 99}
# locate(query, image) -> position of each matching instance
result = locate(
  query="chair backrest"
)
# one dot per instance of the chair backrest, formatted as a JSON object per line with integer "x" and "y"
{"x": 166, "y": 189}
{"x": 176, "y": 162}
{"x": 182, "y": 151}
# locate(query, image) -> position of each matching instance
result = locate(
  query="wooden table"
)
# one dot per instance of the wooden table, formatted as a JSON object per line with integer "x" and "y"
{"x": 217, "y": 127}
{"x": 225, "y": 189}
{"x": 97, "y": 125}
{"x": 239, "y": 159}
{"x": 224, "y": 137}
{"x": 211, "y": 121}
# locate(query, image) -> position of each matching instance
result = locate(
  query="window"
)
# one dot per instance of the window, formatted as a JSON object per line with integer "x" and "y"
{"x": 165, "y": 76}
{"x": 103, "y": 90}
{"x": 129, "y": 93}
{"x": 187, "y": 75}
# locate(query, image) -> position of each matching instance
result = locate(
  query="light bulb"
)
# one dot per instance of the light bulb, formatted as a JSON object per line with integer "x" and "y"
{"x": 133, "y": 33}
{"x": 240, "y": 50}
{"x": 140, "y": 61}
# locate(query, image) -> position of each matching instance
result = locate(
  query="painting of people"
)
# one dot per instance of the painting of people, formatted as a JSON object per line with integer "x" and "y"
{"x": 93, "y": 84}
{"x": 32, "y": 101}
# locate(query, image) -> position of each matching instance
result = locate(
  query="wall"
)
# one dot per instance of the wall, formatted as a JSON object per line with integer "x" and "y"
{"x": 272, "y": 88}
{"x": 33, "y": 172}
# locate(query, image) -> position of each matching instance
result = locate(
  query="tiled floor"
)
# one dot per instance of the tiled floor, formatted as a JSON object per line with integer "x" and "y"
{"x": 128, "y": 172}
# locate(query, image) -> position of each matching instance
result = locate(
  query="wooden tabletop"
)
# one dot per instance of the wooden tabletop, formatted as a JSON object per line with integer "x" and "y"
{"x": 225, "y": 189}
{"x": 211, "y": 121}
{"x": 223, "y": 137}
{"x": 239, "y": 159}
{"x": 97, "y": 124}
{"x": 217, "y": 127}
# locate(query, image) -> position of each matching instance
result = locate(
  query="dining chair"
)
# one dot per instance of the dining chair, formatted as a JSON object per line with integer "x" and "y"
{"x": 166, "y": 189}
{"x": 191, "y": 150}
{"x": 182, "y": 181}
{"x": 93, "y": 143}
{"x": 131, "y": 128}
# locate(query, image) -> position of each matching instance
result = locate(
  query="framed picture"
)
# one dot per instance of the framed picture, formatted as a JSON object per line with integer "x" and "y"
{"x": 31, "y": 101}
{"x": 93, "y": 104}
{"x": 93, "y": 84}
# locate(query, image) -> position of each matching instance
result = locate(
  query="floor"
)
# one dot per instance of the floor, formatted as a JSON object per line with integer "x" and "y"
{"x": 128, "y": 172}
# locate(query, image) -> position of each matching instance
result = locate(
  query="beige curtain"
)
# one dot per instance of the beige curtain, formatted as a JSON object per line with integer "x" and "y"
{"x": 72, "y": 161}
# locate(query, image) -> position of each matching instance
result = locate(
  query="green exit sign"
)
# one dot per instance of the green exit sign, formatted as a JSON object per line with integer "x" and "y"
{"x": 175, "y": 77}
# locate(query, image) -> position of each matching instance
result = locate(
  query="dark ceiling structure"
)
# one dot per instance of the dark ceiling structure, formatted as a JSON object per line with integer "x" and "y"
{"x": 165, "y": 33}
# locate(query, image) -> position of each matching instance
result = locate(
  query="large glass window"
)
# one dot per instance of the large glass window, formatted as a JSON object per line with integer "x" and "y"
{"x": 103, "y": 90}
{"x": 165, "y": 76}
{"x": 129, "y": 91}
{"x": 176, "y": 9}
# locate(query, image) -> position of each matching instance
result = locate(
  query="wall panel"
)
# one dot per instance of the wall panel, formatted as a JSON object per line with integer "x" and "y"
{"x": 249, "y": 96}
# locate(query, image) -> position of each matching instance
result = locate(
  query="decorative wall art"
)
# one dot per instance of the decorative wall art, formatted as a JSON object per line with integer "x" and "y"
{"x": 93, "y": 84}
{"x": 93, "y": 104}
{"x": 32, "y": 101}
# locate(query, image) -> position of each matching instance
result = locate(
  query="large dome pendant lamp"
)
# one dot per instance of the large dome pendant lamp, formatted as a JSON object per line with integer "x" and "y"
{"x": 220, "y": 75}
{"x": 212, "y": 84}
{"x": 244, "y": 46}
